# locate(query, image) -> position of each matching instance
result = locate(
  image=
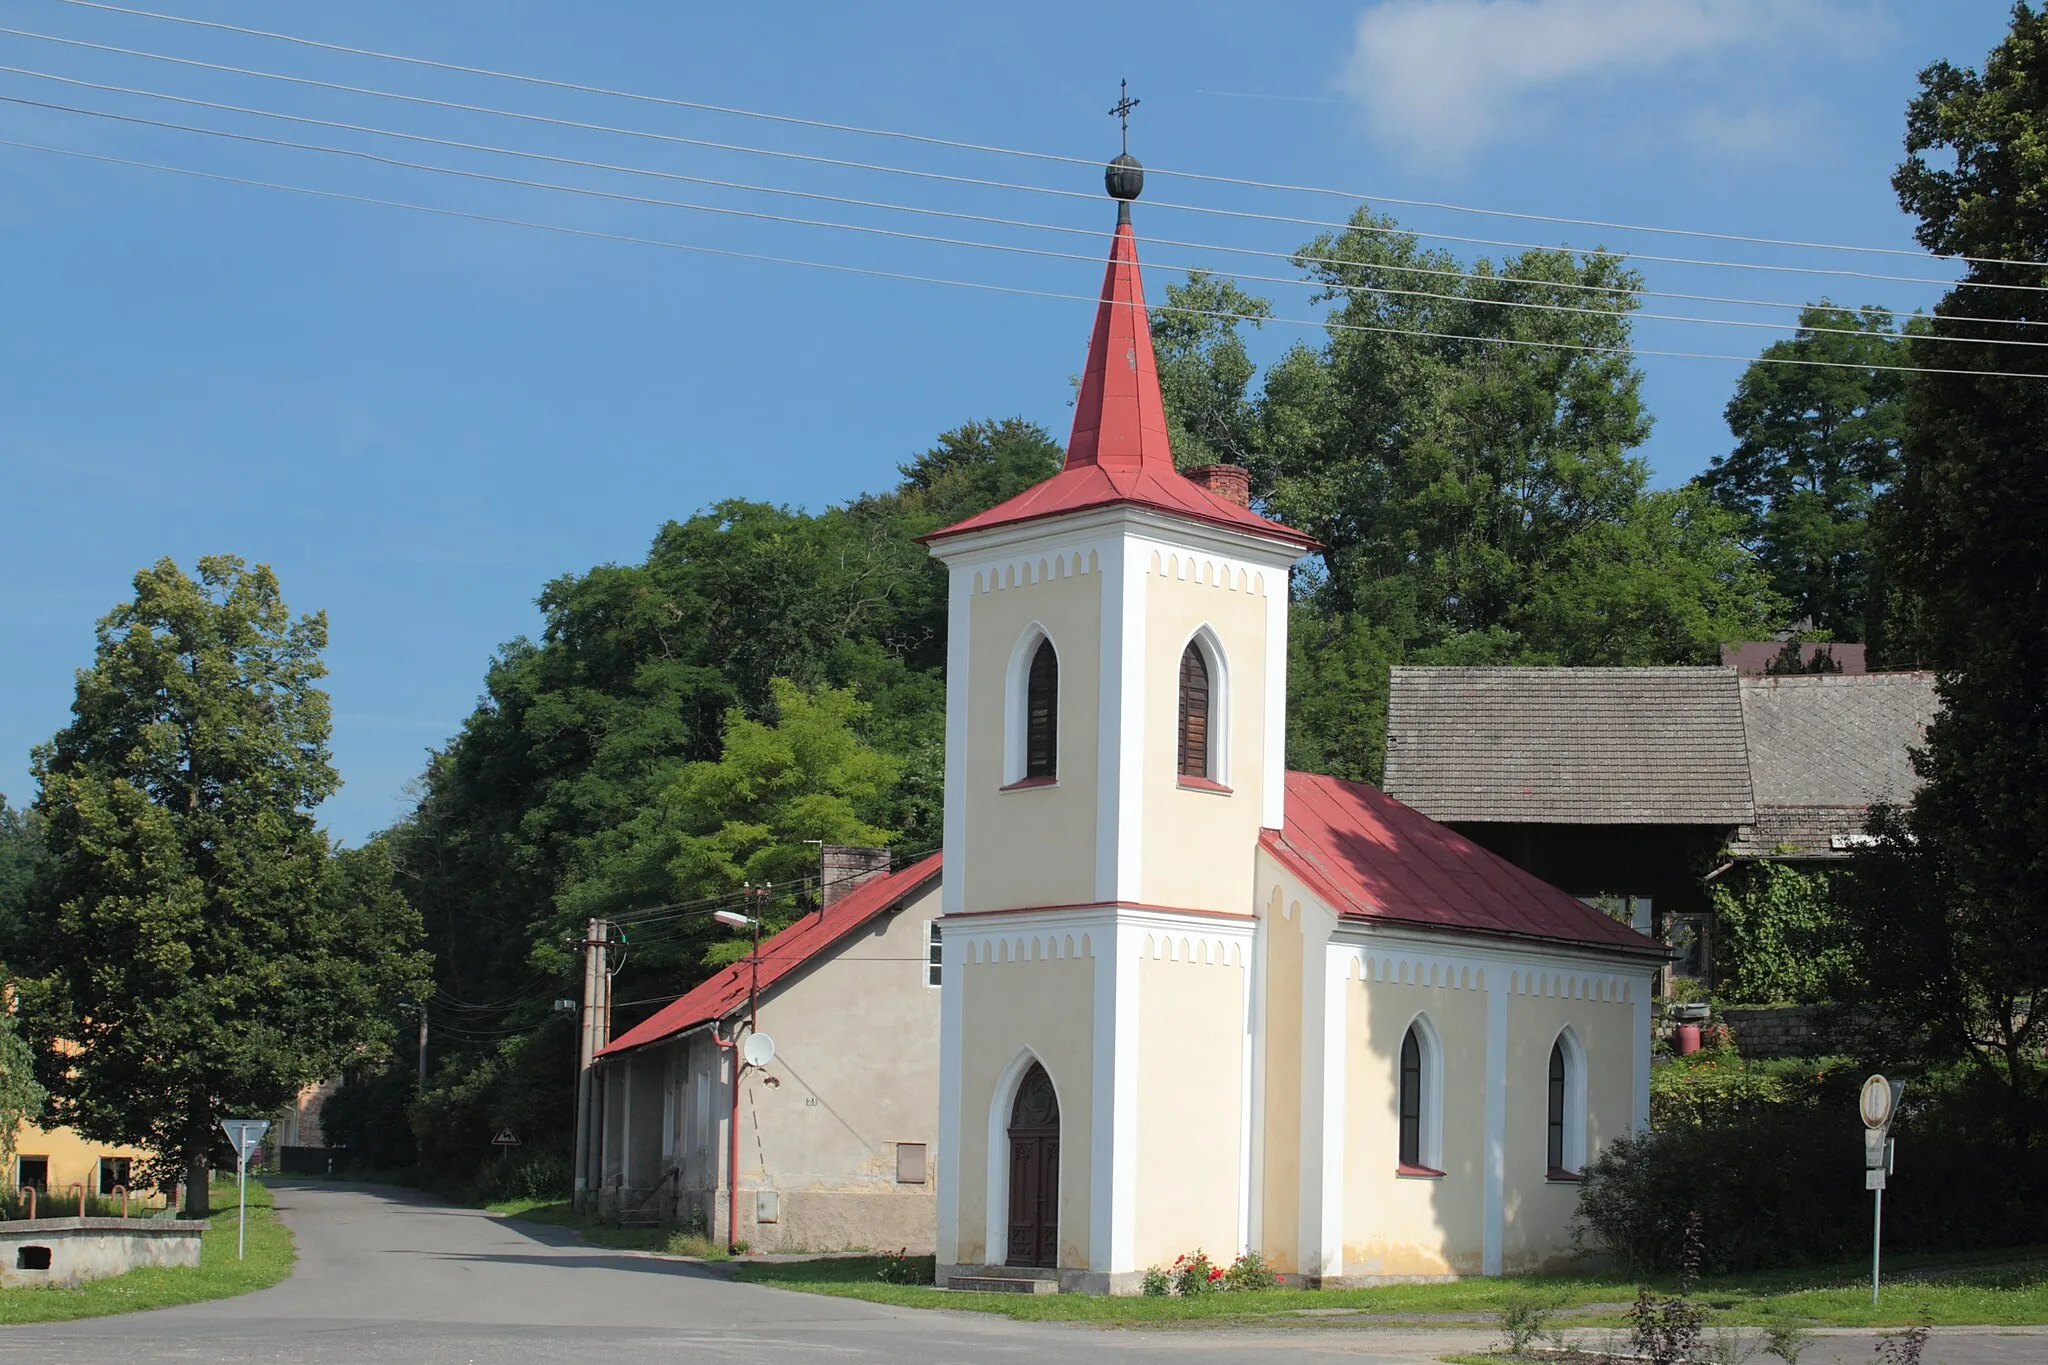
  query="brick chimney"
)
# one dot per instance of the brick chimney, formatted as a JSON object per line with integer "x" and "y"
{"x": 1231, "y": 482}
{"x": 842, "y": 868}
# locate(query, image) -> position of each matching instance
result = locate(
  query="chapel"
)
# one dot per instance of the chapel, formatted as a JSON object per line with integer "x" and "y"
{"x": 1189, "y": 999}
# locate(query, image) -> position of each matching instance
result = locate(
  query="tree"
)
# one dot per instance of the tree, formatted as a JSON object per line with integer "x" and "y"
{"x": 197, "y": 947}
{"x": 21, "y": 849}
{"x": 1952, "y": 927}
{"x": 1815, "y": 443}
{"x": 1462, "y": 444}
{"x": 1205, "y": 372}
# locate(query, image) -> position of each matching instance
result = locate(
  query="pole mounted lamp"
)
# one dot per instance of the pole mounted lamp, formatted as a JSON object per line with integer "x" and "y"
{"x": 758, "y": 1051}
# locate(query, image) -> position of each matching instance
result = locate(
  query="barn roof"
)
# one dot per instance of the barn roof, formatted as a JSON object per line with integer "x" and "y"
{"x": 781, "y": 954}
{"x": 1372, "y": 858}
{"x": 1607, "y": 746}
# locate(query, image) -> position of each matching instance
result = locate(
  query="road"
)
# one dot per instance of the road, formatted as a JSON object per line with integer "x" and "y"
{"x": 387, "y": 1275}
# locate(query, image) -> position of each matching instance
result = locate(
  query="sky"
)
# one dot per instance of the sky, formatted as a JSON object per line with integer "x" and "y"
{"x": 419, "y": 419}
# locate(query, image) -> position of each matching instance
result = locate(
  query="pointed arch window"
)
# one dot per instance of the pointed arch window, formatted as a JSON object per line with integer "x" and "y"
{"x": 1042, "y": 713}
{"x": 1411, "y": 1100}
{"x": 1194, "y": 712}
{"x": 1564, "y": 1145}
{"x": 1419, "y": 1101}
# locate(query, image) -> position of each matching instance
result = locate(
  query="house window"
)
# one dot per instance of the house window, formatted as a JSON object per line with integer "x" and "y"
{"x": 1042, "y": 713}
{"x": 32, "y": 1171}
{"x": 1411, "y": 1101}
{"x": 1194, "y": 712}
{"x": 932, "y": 953}
{"x": 115, "y": 1170}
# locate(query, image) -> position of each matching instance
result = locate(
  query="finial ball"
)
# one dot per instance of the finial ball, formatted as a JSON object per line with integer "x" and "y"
{"x": 1124, "y": 177}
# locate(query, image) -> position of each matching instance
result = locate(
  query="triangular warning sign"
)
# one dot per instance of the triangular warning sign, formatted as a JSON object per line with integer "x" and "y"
{"x": 505, "y": 1138}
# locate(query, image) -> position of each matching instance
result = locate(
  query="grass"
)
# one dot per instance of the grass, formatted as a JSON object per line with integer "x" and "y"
{"x": 597, "y": 1232}
{"x": 219, "y": 1274}
{"x": 1998, "y": 1289}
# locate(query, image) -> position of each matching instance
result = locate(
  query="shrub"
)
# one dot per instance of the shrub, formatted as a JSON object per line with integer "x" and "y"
{"x": 1195, "y": 1273}
{"x": 536, "y": 1175}
{"x": 1524, "y": 1316}
{"x": 1157, "y": 1284}
{"x": 1775, "y": 938}
{"x": 900, "y": 1267}
{"x": 1249, "y": 1271}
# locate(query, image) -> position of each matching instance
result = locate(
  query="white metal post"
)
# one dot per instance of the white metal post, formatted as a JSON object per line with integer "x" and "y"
{"x": 242, "y": 1228}
{"x": 1876, "y": 1236}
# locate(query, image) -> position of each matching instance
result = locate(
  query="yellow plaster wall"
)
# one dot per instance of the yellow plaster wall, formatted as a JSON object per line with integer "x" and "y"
{"x": 1279, "y": 1191}
{"x": 1039, "y": 996}
{"x": 1537, "y": 1211}
{"x": 1413, "y": 1225}
{"x": 1034, "y": 846}
{"x": 1196, "y": 841}
{"x": 1191, "y": 1054}
{"x": 72, "y": 1158}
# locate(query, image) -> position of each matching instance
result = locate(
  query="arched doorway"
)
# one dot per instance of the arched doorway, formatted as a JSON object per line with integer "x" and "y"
{"x": 1035, "y": 1172}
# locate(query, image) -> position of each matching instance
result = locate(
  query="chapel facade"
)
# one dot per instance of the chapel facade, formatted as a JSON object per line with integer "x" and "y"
{"x": 1192, "y": 1000}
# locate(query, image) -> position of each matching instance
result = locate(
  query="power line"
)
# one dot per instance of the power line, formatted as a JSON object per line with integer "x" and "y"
{"x": 954, "y": 214}
{"x": 984, "y": 286}
{"x": 989, "y": 148}
{"x": 933, "y": 239}
{"x": 983, "y": 182}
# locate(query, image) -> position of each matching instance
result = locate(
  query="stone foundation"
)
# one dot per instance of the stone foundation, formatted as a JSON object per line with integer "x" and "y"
{"x": 68, "y": 1251}
{"x": 1769, "y": 1031}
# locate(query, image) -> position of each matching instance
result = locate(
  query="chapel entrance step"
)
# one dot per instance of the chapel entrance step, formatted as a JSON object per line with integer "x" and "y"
{"x": 1024, "y": 1283}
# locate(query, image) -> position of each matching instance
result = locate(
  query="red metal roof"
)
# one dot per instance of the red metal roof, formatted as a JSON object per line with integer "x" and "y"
{"x": 1370, "y": 857}
{"x": 1118, "y": 452}
{"x": 781, "y": 954}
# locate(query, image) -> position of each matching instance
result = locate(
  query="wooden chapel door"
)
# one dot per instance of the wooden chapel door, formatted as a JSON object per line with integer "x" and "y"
{"x": 1034, "y": 1172}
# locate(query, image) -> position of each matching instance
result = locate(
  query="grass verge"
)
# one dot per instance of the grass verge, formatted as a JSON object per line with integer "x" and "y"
{"x": 1998, "y": 1289}
{"x": 557, "y": 1213}
{"x": 219, "y": 1274}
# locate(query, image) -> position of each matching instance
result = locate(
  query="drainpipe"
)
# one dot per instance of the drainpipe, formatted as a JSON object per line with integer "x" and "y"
{"x": 732, "y": 1153}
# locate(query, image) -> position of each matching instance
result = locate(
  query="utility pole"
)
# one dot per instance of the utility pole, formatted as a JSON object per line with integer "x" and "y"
{"x": 593, "y": 1033}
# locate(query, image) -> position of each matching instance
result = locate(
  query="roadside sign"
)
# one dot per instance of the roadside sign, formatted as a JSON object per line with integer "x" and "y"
{"x": 505, "y": 1138}
{"x": 247, "y": 1135}
{"x": 1877, "y": 1104}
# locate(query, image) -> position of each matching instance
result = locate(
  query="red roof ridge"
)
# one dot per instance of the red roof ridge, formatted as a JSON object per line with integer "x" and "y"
{"x": 782, "y": 952}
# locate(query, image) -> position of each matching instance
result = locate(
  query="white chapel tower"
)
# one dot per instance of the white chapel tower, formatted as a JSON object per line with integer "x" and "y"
{"x": 1115, "y": 734}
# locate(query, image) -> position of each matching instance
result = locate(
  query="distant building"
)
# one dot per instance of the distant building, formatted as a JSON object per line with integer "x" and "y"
{"x": 1631, "y": 786}
{"x": 1757, "y": 658}
{"x": 53, "y": 1160}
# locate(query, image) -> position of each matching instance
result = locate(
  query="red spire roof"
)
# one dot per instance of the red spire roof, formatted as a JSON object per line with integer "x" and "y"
{"x": 1118, "y": 452}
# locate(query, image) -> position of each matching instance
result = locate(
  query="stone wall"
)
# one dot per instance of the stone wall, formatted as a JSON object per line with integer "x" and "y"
{"x": 67, "y": 1251}
{"x": 1774, "y": 1030}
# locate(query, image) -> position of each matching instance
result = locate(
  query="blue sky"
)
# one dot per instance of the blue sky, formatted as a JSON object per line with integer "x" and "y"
{"x": 419, "y": 421}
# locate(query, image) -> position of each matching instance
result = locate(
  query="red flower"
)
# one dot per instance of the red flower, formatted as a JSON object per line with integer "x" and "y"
{"x": 1215, "y": 1272}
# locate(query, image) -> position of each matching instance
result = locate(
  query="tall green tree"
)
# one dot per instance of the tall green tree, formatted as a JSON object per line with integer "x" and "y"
{"x": 1953, "y": 933}
{"x": 1817, "y": 424}
{"x": 198, "y": 949}
{"x": 1462, "y": 443}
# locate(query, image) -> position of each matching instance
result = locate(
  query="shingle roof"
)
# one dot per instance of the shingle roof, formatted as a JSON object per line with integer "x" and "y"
{"x": 1823, "y": 748}
{"x": 781, "y": 954}
{"x": 1618, "y": 746}
{"x": 1371, "y": 857}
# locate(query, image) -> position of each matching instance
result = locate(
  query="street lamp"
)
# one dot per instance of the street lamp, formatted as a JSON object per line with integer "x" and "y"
{"x": 736, "y": 920}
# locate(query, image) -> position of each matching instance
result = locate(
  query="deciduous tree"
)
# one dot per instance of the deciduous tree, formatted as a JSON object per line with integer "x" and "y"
{"x": 197, "y": 947}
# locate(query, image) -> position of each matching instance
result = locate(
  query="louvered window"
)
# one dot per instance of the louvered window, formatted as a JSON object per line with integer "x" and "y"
{"x": 1194, "y": 713}
{"x": 1042, "y": 714}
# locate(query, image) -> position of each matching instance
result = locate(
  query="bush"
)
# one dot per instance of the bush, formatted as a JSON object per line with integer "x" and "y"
{"x": 1195, "y": 1273}
{"x": 1157, "y": 1284}
{"x": 536, "y": 1175}
{"x": 1249, "y": 1271}
{"x": 1776, "y": 939}
{"x": 1778, "y": 1181}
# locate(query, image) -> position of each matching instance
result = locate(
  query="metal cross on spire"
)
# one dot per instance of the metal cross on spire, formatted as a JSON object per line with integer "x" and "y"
{"x": 1121, "y": 110}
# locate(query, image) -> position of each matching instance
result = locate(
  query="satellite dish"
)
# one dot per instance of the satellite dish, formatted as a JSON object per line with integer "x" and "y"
{"x": 758, "y": 1050}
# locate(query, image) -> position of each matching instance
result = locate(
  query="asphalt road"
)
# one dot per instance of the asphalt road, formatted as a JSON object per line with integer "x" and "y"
{"x": 385, "y": 1275}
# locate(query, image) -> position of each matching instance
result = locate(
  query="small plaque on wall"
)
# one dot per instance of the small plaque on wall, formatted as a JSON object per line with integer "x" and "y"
{"x": 911, "y": 1163}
